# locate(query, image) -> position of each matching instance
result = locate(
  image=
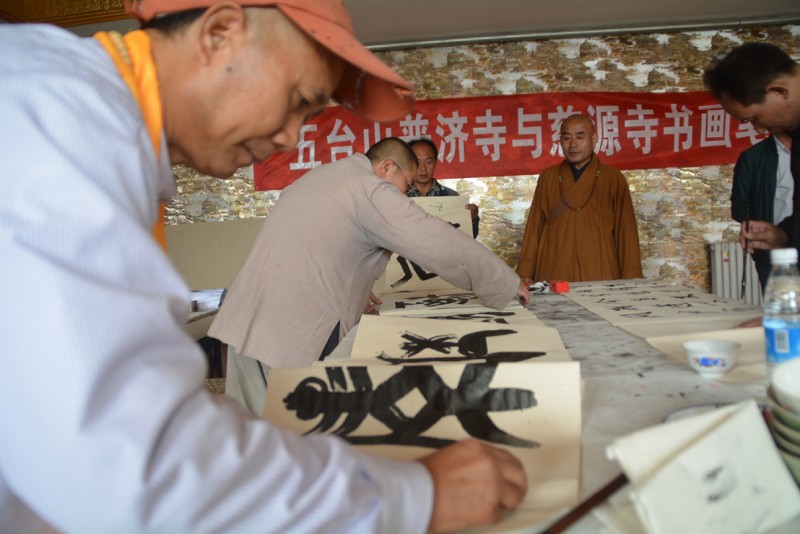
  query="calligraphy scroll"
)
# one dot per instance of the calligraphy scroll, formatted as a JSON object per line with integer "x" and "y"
{"x": 532, "y": 409}
{"x": 403, "y": 274}
{"x": 403, "y": 340}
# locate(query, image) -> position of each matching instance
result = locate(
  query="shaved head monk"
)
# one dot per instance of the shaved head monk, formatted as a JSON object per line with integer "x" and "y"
{"x": 581, "y": 225}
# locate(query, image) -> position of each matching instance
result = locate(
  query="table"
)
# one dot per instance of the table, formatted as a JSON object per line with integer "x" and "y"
{"x": 200, "y": 318}
{"x": 628, "y": 386}
{"x": 198, "y": 323}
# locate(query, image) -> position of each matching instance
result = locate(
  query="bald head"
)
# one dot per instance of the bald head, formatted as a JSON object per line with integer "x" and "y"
{"x": 393, "y": 160}
{"x": 395, "y": 149}
{"x": 580, "y": 118}
{"x": 578, "y": 139}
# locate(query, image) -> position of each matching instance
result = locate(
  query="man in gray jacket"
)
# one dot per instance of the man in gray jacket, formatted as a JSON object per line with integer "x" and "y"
{"x": 329, "y": 237}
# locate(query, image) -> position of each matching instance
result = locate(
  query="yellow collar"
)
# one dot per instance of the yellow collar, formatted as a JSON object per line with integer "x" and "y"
{"x": 132, "y": 55}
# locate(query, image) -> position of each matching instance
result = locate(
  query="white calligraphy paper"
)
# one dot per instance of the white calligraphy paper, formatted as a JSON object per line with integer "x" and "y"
{"x": 425, "y": 302}
{"x": 652, "y": 308}
{"x": 394, "y": 411}
{"x": 403, "y": 340}
{"x": 513, "y": 315}
{"x": 401, "y": 273}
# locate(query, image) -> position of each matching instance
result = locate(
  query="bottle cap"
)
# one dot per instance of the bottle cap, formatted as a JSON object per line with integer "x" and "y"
{"x": 783, "y": 255}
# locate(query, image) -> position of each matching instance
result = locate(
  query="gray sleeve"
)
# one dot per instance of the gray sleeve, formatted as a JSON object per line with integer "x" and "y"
{"x": 396, "y": 223}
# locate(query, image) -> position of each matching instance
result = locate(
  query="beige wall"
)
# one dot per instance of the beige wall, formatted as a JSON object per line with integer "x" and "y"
{"x": 679, "y": 211}
{"x": 210, "y": 254}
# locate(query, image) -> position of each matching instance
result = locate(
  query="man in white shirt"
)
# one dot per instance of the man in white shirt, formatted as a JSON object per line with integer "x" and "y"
{"x": 106, "y": 424}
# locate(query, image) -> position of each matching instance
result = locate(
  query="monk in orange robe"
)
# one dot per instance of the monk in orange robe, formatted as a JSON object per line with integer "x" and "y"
{"x": 581, "y": 225}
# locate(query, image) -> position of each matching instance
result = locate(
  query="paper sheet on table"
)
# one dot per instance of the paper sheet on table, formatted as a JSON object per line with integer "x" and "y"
{"x": 512, "y": 315}
{"x": 404, "y": 275}
{"x": 396, "y": 340}
{"x": 650, "y": 308}
{"x": 440, "y": 301}
{"x": 714, "y": 472}
{"x": 552, "y": 422}
{"x": 750, "y": 360}
{"x": 705, "y": 324}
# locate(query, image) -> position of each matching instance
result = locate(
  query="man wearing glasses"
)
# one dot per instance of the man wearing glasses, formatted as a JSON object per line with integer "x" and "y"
{"x": 326, "y": 241}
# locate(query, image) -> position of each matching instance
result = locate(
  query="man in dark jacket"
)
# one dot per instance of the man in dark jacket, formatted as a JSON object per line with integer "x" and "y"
{"x": 759, "y": 83}
{"x": 762, "y": 192}
{"x": 425, "y": 185}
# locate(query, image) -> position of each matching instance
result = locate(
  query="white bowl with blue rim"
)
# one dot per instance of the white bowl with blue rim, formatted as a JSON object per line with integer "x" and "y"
{"x": 711, "y": 357}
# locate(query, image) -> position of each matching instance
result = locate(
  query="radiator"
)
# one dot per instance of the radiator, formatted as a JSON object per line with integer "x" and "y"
{"x": 728, "y": 260}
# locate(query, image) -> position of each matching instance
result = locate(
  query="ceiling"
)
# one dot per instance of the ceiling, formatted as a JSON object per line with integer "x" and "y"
{"x": 385, "y": 24}
{"x": 433, "y": 22}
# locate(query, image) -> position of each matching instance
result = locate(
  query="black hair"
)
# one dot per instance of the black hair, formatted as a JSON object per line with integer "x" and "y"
{"x": 172, "y": 23}
{"x": 395, "y": 149}
{"x": 425, "y": 141}
{"x": 744, "y": 73}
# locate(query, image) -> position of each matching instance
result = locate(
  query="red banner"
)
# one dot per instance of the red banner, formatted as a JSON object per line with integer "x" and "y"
{"x": 518, "y": 134}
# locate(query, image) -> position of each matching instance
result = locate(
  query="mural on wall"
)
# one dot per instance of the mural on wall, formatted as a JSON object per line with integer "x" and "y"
{"x": 679, "y": 210}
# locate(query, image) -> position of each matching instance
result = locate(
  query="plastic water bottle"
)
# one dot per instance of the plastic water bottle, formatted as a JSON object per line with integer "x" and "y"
{"x": 782, "y": 309}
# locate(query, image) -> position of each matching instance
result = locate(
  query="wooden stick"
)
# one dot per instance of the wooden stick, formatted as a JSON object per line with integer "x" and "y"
{"x": 746, "y": 246}
{"x": 586, "y": 506}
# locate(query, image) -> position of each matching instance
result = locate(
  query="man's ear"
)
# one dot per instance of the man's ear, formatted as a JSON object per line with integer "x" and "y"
{"x": 779, "y": 87}
{"x": 384, "y": 168}
{"x": 221, "y": 27}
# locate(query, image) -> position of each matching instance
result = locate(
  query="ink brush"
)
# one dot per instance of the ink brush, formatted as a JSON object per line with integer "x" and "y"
{"x": 586, "y": 506}
{"x": 744, "y": 263}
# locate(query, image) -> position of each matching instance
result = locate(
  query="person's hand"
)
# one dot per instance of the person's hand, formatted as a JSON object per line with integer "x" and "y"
{"x": 761, "y": 235}
{"x": 474, "y": 484}
{"x": 473, "y": 211}
{"x": 373, "y": 305}
{"x": 523, "y": 294}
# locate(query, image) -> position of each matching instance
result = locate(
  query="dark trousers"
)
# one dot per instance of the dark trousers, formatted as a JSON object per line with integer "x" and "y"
{"x": 333, "y": 341}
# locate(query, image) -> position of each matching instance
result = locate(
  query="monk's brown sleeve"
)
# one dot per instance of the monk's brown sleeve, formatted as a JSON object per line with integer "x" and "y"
{"x": 626, "y": 233}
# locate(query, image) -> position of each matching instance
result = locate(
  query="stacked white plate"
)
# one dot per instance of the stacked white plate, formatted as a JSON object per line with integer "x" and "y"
{"x": 785, "y": 427}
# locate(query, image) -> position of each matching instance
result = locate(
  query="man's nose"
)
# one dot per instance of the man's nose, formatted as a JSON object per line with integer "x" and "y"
{"x": 286, "y": 138}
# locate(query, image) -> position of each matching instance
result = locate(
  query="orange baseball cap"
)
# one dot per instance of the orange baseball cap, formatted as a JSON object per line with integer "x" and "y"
{"x": 368, "y": 87}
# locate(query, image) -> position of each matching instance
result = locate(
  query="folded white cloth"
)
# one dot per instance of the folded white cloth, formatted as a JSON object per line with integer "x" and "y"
{"x": 714, "y": 472}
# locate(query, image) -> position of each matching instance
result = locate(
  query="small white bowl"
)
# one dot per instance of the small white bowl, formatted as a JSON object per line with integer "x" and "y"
{"x": 786, "y": 385}
{"x": 711, "y": 357}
